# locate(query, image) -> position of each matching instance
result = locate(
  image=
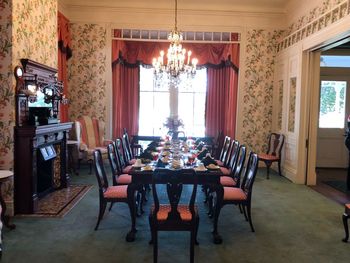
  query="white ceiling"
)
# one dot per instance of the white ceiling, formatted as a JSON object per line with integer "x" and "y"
{"x": 226, "y": 5}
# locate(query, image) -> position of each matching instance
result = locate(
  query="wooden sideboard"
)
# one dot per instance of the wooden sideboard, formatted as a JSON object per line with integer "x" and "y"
{"x": 40, "y": 163}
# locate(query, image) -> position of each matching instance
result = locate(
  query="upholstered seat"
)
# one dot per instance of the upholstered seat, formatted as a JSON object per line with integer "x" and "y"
{"x": 225, "y": 171}
{"x": 124, "y": 179}
{"x": 227, "y": 181}
{"x": 127, "y": 169}
{"x": 183, "y": 210}
{"x": 118, "y": 191}
{"x": 234, "y": 193}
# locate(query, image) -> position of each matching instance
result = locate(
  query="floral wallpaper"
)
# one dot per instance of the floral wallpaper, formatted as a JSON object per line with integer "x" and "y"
{"x": 258, "y": 87}
{"x": 6, "y": 87}
{"x": 87, "y": 71}
{"x": 35, "y": 31}
{"x": 27, "y": 30}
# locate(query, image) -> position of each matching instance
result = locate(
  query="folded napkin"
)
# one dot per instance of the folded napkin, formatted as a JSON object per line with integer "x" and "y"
{"x": 153, "y": 144}
{"x": 202, "y": 154}
{"x": 200, "y": 146}
{"x": 147, "y": 154}
{"x": 160, "y": 164}
{"x": 208, "y": 160}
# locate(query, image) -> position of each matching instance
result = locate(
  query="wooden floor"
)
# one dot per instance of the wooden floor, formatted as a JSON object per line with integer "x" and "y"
{"x": 327, "y": 174}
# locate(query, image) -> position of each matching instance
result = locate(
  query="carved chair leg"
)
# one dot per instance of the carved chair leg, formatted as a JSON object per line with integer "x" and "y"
{"x": 250, "y": 217}
{"x": 268, "y": 164}
{"x": 196, "y": 231}
{"x": 103, "y": 205}
{"x": 155, "y": 246}
{"x": 244, "y": 207}
{"x": 346, "y": 227}
{"x": 192, "y": 246}
{"x": 279, "y": 167}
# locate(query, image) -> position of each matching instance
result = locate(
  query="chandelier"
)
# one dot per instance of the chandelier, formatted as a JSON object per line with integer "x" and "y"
{"x": 176, "y": 62}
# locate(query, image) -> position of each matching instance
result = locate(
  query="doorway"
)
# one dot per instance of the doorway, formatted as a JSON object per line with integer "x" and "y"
{"x": 332, "y": 157}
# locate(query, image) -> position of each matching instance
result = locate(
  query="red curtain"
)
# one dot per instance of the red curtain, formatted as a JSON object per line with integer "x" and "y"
{"x": 221, "y": 101}
{"x": 125, "y": 99}
{"x": 220, "y": 59}
{"x": 64, "y": 53}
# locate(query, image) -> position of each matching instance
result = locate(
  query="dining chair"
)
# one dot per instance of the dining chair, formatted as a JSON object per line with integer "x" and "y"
{"x": 224, "y": 150}
{"x": 273, "y": 153}
{"x": 170, "y": 215}
{"x": 346, "y": 216}
{"x": 126, "y": 167}
{"x": 112, "y": 194}
{"x": 118, "y": 177}
{"x": 134, "y": 149}
{"x": 242, "y": 195}
{"x": 228, "y": 167}
{"x": 234, "y": 177}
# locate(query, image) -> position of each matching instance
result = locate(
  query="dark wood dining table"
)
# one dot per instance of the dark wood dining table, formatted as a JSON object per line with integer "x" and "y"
{"x": 210, "y": 178}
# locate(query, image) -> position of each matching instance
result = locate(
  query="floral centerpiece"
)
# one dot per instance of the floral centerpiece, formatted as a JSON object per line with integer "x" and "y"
{"x": 173, "y": 123}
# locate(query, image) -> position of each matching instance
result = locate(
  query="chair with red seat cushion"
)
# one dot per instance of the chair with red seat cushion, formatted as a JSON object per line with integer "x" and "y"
{"x": 134, "y": 149}
{"x": 112, "y": 194}
{"x": 234, "y": 178}
{"x": 346, "y": 216}
{"x": 169, "y": 215}
{"x": 240, "y": 195}
{"x": 228, "y": 167}
{"x": 118, "y": 177}
{"x": 224, "y": 150}
{"x": 273, "y": 153}
{"x": 126, "y": 167}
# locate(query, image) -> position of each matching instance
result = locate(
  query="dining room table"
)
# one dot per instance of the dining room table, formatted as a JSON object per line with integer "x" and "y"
{"x": 168, "y": 157}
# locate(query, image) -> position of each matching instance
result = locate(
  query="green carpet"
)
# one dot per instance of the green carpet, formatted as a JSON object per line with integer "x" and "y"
{"x": 293, "y": 223}
{"x": 339, "y": 185}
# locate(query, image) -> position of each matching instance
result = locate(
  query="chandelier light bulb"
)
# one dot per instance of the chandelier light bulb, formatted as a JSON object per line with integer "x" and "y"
{"x": 176, "y": 62}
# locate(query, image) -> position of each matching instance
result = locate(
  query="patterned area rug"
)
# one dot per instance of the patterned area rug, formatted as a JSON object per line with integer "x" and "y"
{"x": 339, "y": 185}
{"x": 60, "y": 202}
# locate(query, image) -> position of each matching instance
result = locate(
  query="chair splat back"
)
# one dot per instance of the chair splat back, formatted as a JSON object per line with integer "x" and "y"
{"x": 100, "y": 172}
{"x": 174, "y": 189}
{"x": 240, "y": 163}
{"x": 250, "y": 173}
{"x": 276, "y": 141}
{"x": 118, "y": 147}
{"x": 112, "y": 157}
{"x": 234, "y": 154}
{"x": 224, "y": 147}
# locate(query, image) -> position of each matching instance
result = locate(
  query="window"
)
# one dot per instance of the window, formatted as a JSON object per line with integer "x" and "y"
{"x": 332, "y": 104}
{"x": 187, "y": 101}
{"x": 335, "y": 61}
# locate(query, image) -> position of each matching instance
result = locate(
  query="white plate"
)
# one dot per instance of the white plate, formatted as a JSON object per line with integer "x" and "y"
{"x": 216, "y": 167}
{"x": 200, "y": 169}
{"x": 138, "y": 166}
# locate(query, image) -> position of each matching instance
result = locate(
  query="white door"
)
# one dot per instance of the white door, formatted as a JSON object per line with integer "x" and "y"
{"x": 333, "y": 112}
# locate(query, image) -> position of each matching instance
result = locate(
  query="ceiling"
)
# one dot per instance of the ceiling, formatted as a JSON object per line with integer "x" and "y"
{"x": 226, "y": 5}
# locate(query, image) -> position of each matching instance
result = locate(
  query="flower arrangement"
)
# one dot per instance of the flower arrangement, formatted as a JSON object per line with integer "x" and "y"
{"x": 173, "y": 123}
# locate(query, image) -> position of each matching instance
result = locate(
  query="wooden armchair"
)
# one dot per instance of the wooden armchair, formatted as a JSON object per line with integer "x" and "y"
{"x": 90, "y": 137}
{"x": 273, "y": 153}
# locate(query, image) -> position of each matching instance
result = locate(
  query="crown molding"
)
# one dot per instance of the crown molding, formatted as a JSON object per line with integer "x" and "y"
{"x": 163, "y": 18}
